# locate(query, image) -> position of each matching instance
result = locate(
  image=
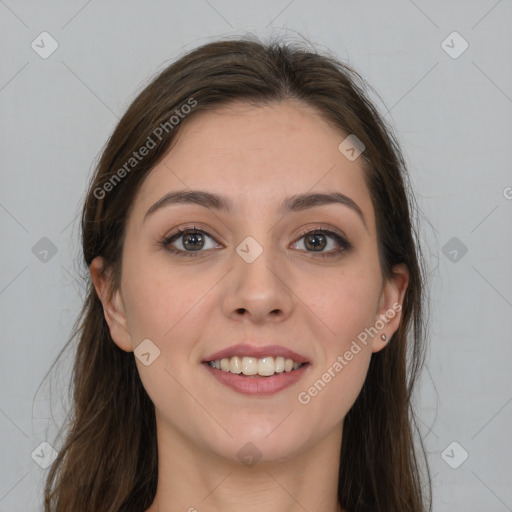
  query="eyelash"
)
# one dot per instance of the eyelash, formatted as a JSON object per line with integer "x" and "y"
{"x": 344, "y": 244}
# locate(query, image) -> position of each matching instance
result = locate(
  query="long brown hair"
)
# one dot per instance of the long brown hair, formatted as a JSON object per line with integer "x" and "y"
{"x": 109, "y": 458}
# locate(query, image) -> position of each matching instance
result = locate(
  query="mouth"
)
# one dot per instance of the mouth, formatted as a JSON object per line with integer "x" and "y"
{"x": 256, "y": 371}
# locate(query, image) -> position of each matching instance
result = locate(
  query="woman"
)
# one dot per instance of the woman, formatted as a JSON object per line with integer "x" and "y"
{"x": 255, "y": 293}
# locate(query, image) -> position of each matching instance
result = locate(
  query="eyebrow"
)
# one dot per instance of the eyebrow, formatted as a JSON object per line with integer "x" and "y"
{"x": 295, "y": 203}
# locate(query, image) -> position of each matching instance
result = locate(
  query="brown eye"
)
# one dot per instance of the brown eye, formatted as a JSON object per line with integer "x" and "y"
{"x": 193, "y": 241}
{"x": 316, "y": 241}
{"x": 188, "y": 242}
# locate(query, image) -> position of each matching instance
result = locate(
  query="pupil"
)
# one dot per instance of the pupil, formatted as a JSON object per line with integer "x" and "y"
{"x": 194, "y": 238}
{"x": 318, "y": 241}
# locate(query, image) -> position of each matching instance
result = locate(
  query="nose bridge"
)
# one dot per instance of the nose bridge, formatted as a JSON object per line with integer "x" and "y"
{"x": 257, "y": 282}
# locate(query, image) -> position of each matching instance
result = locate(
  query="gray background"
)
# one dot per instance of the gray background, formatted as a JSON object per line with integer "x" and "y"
{"x": 453, "y": 118}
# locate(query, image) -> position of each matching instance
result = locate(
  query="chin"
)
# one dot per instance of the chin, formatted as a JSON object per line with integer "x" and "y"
{"x": 263, "y": 442}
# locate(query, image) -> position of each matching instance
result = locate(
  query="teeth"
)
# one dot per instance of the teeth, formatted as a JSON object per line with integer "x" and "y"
{"x": 249, "y": 366}
{"x": 265, "y": 367}
{"x": 235, "y": 365}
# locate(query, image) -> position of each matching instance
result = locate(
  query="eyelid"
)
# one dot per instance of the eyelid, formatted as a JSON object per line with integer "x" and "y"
{"x": 323, "y": 227}
{"x": 180, "y": 230}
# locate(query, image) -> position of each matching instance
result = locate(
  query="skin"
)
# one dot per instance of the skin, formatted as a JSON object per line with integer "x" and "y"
{"x": 191, "y": 307}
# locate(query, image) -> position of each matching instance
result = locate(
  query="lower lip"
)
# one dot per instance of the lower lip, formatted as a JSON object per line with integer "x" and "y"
{"x": 255, "y": 384}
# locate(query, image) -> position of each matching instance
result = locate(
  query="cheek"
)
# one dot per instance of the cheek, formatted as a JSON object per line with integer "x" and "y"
{"x": 347, "y": 307}
{"x": 332, "y": 389}
{"x": 345, "y": 301}
{"x": 168, "y": 308}
{"x": 161, "y": 305}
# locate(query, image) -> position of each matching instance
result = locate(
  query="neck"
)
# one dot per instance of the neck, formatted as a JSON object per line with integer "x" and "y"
{"x": 194, "y": 480}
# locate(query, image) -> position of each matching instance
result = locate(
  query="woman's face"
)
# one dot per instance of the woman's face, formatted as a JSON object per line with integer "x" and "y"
{"x": 252, "y": 276}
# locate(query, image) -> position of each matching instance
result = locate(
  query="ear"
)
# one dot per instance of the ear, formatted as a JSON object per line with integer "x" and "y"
{"x": 113, "y": 306}
{"x": 390, "y": 306}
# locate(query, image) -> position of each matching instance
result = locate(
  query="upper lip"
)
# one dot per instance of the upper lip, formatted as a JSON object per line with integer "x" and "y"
{"x": 246, "y": 350}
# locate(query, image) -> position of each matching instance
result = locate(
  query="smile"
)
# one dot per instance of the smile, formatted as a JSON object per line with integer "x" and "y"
{"x": 264, "y": 367}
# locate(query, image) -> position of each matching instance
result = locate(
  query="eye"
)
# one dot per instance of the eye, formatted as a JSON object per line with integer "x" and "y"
{"x": 190, "y": 241}
{"x": 317, "y": 240}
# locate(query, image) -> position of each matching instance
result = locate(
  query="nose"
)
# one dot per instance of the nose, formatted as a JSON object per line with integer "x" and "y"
{"x": 259, "y": 291}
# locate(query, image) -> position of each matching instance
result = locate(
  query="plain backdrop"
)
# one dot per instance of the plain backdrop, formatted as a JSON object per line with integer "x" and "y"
{"x": 451, "y": 107}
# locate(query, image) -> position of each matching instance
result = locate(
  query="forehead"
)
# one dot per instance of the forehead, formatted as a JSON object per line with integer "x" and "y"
{"x": 258, "y": 155}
